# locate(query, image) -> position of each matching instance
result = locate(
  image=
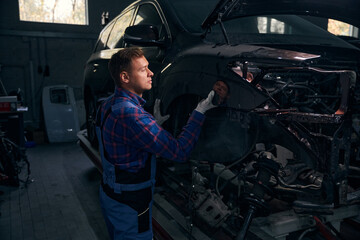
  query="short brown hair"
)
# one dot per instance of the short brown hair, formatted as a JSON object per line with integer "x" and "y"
{"x": 121, "y": 61}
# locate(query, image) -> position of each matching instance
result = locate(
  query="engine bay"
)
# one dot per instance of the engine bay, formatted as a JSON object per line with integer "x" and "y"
{"x": 298, "y": 151}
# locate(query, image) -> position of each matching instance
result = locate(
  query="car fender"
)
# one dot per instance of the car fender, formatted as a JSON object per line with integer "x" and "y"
{"x": 195, "y": 72}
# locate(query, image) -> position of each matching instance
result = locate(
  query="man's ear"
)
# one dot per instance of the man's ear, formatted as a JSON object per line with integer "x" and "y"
{"x": 124, "y": 77}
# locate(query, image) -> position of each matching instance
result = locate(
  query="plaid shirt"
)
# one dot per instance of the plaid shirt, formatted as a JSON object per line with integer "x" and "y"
{"x": 131, "y": 133}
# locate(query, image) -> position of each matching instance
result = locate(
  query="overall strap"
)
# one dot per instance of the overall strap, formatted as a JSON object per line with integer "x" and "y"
{"x": 117, "y": 188}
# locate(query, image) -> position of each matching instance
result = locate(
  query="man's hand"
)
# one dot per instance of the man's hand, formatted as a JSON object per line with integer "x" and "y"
{"x": 157, "y": 115}
{"x": 206, "y": 104}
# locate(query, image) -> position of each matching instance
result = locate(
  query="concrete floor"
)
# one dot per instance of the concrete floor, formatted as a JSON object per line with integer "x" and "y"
{"x": 60, "y": 202}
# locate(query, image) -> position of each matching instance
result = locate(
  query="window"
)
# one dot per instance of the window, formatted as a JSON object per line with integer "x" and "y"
{"x": 59, "y": 96}
{"x": 117, "y": 34}
{"x": 270, "y": 25}
{"x": 54, "y": 11}
{"x": 148, "y": 14}
{"x": 342, "y": 29}
{"x": 104, "y": 37}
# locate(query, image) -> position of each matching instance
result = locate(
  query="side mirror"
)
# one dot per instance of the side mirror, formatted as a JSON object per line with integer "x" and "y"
{"x": 143, "y": 35}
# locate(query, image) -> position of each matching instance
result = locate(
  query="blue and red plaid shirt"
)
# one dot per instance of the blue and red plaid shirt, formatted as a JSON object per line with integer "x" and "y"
{"x": 130, "y": 134}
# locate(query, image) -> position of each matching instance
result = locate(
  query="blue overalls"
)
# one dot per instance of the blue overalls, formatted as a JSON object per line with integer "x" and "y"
{"x": 126, "y": 198}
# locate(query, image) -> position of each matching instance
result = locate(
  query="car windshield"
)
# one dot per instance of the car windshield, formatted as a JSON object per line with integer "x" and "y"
{"x": 270, "y": 29}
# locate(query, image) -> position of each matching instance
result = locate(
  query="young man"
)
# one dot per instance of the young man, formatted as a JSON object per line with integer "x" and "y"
{"x": 129, "y": 138}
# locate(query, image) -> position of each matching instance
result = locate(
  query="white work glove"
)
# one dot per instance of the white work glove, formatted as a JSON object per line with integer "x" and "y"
{"x": 206, "y": 104}
{"x": 157, "y": 115}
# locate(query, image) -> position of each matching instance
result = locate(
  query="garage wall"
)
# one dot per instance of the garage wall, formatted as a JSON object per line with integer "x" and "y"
{"x": 35, "y": 55}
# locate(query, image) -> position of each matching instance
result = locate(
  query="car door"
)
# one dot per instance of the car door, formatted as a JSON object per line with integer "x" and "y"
{"x": 148, "y": 13}
{"x": 98, "y": 82}
{"x": 110, "y": 41}
{"x": 151, "y": 14}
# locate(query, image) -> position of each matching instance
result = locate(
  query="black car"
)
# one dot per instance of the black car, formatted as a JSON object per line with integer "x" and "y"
{"x": 287, "y": 126}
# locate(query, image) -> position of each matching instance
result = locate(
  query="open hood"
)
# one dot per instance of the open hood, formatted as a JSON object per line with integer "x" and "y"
{"x": 345, "y": 10}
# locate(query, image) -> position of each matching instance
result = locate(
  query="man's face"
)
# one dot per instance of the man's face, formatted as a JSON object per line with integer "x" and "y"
{"x": 139, "y": 77}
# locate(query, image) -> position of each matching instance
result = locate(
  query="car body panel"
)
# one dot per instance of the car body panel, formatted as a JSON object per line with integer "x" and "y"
{"x": 196, "y": 70}
{"x": 347, "y": 10}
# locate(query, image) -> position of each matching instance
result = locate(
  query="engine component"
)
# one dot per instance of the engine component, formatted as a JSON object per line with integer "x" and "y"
{"x": 267, "y": 168}
{"x": 210, "y": 208}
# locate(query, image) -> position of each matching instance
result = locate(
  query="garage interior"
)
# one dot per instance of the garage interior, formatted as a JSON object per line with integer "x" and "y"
{"x": 59, "y": 200}
{"x": 40, "y": 63}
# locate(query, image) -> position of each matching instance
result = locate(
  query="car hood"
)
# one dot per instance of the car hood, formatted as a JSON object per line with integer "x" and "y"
{"x": 345, "y": 10}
